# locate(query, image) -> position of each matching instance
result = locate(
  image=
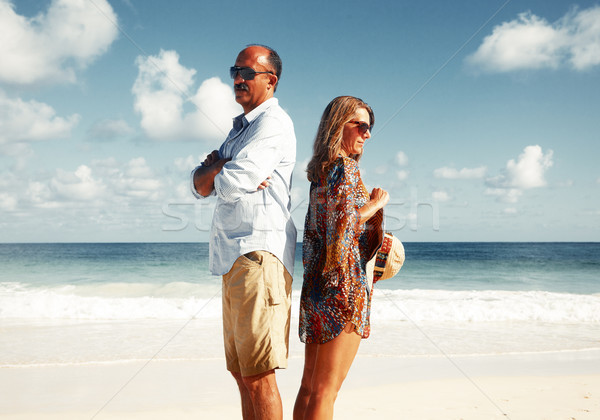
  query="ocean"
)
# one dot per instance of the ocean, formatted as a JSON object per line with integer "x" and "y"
{"x": 90, "y": 303}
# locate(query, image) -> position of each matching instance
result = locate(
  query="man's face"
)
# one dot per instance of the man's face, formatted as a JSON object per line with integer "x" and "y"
{"x": 251, "y": 93}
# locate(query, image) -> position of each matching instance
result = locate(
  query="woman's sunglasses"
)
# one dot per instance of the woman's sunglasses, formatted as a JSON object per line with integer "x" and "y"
{"x": 362, "y": 126}
{"x": 246, "y": 73}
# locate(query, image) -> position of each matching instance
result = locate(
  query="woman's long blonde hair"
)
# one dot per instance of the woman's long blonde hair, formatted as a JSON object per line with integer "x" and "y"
{"x": 328, "y": 141}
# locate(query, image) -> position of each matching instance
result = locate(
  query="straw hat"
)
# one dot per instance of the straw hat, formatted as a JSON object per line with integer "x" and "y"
{"x": 387, "y": 261}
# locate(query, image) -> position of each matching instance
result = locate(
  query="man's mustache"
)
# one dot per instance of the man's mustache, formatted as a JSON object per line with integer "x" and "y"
{"x": 241, "y": 86}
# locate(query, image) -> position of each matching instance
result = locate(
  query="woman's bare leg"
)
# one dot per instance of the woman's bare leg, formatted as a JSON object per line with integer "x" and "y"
{"x": 332, "y": 363}
{"x": 310, "y": 353}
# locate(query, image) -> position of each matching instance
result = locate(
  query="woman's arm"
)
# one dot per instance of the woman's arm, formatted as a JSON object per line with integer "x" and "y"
{"x": 379, "y": 198}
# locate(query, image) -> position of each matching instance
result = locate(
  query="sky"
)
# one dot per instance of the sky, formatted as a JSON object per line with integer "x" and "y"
{"x": 487, "y": 113}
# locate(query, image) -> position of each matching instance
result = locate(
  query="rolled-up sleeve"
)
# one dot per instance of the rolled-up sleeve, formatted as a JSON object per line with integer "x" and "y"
{"x": 254, "y": 163}
{"x": 193, "y": 188}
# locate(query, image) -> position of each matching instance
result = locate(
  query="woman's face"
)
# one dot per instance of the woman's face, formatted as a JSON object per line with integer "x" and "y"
{"x": 356, "y": 133}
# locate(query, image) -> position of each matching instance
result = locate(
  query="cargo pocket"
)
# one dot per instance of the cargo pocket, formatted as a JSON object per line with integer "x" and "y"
{"x": 275, "y": 282}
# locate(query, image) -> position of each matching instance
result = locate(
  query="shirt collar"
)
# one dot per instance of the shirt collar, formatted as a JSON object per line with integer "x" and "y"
{"x": 243, "y": 120}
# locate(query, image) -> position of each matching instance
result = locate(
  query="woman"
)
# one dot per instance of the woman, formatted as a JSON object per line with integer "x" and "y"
{"x": 335, "y": 302}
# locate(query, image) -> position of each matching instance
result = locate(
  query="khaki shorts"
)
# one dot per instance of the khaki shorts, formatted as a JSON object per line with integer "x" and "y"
{"x": 256, "y": 314}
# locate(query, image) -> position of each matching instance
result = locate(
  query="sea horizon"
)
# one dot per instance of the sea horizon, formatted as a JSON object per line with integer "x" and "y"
{"x": 206, "y": 242}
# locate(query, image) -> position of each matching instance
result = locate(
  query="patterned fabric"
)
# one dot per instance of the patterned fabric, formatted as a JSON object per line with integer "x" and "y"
{"x": 335, "y": 291}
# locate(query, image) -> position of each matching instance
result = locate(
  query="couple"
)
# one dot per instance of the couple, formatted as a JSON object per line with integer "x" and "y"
{"x": 253, "y": 239}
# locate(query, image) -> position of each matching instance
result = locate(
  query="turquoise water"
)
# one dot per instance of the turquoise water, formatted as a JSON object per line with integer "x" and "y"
{"x": 554, "y": 267}
{"x": 115, "y": 302}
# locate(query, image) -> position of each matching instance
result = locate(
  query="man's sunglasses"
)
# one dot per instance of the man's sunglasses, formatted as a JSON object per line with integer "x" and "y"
{"x": 362, "y": 126}
{"x": 246, "y": 73}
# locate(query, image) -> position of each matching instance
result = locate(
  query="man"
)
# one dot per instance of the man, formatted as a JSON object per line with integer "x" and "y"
{"x": 253, "y": 237}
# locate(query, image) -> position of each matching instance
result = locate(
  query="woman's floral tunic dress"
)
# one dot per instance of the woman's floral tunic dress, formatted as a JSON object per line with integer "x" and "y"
{"x": 335, "y": 291}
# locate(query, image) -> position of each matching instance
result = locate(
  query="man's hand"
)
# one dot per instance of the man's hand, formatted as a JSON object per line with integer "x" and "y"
{"x": 264, "y": 184}
{"x": 211, "y": 158}
{"x": 204, "y": 177}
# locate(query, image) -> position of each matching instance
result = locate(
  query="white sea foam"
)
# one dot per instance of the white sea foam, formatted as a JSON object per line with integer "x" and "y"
{"x": 117, "y": 322}
{"x": 123, "y": 301}
{"x": 116, "y": 301}
{"x": 485, "y": 306}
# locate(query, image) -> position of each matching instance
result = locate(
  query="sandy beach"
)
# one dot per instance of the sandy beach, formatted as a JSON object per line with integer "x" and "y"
{"x": 562, "y": 385}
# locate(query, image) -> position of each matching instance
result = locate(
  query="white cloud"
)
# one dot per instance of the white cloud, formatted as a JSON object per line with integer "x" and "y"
{"x": 53, "y": 45}
{"x": 402, "y": 175}
{"x": 216, "y": 107}
{"x": 104, "y": 197}
{"x": 401, "y": 158}
{"x": 77, "y": 186}
{"x": 381, "y": 169}
{"x": 136, "y": 179}
{"x": 8, "y": 202}
{"x": 585, "y": 38}
{"x": 527, "y": 42}
{"x": 527, "y": 172}
{"x": 187, "y": 163}
{"x": 531, "y": 42}
{"x": 25, "y": 121}
{"x": 182, "y": 192}
{"x": 38, "y": 193}
{"x": 440, "y": 196}
{"x": 138, "y": 168}
{"x": 161, "y": 90}
{"x": 102, "y": 183}
{"x": 465, "y": 173}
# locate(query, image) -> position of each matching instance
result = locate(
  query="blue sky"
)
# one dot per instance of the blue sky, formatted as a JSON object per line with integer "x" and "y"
{"x": 487, "y": 113}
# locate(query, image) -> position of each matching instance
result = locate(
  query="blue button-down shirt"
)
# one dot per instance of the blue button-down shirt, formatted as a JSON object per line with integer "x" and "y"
{"x": 262, "y": 143}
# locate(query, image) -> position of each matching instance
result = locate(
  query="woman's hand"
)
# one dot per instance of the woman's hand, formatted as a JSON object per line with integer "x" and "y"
{"x": 379, "y": 197}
